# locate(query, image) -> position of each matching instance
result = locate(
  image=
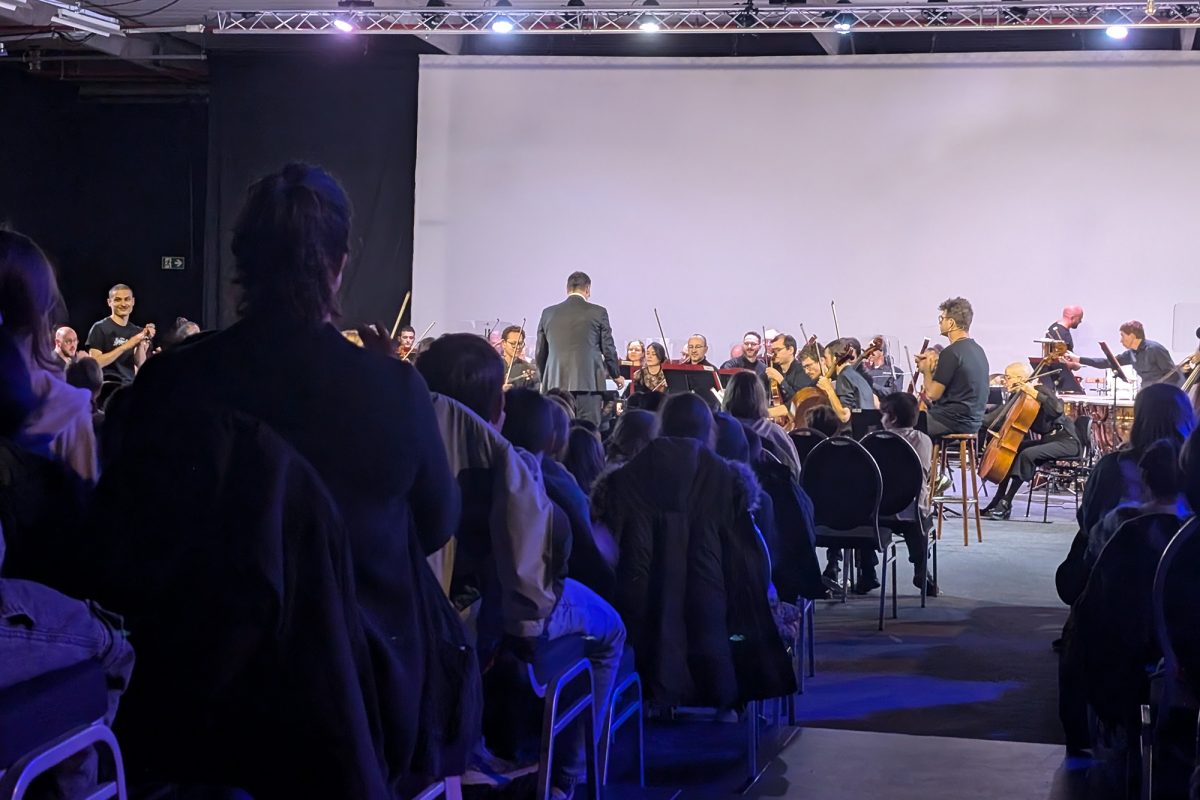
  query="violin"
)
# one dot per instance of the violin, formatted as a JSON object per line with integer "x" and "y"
{"x": 777, "y": 410}
{"x": 922, "y": 400}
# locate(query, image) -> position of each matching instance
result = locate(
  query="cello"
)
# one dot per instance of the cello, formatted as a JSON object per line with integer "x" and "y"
{"x": 1001, "y": 450}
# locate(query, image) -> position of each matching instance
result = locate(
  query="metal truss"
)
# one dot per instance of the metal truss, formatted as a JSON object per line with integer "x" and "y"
{"x": 840, "y": 18}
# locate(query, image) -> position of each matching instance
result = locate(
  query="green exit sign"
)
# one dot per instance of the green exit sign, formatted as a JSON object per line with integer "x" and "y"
{"x": 172, "y": 262}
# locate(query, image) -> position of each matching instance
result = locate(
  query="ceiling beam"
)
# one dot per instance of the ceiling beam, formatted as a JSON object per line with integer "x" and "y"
{"x": 139, "y": 47}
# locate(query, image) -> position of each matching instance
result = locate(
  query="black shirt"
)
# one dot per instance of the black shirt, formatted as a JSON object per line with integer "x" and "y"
{"x": 963, "y": 369}
{"x": 794, "y": 379}
{"x": 1064, "y": 380}
{"x": 755, "y": 366}
{"x": 107, "y": 336}
{"x": 853, "y": 390}
{"x": 1151, "y": 361}
{"x": 523, "y": 375}
{"x": 1051, "y": 418}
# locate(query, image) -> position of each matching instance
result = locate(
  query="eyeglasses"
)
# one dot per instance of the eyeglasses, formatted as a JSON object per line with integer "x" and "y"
{"x": 749, "y": 343}
{"x": 696, "y": 346}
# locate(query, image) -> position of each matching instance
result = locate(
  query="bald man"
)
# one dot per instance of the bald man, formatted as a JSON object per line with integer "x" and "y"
{"x": 1064, "y": 381}
{"x": 66, "y": 345}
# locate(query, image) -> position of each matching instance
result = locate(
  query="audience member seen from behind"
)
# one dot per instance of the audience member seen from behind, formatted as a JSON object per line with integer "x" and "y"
{"x": 60, "y": 425}
{"x": 1161, "y": 411}
{"x": 823, "y": 419}
{"x": 680, "y": 515}
{"x": 899, "y": 410}
{"x": 635, "y": 429}
{"x": 585, "y": 456}
{"x": 746, "y": 401}
{"x": 362, "y": 420}
{"x": 536, "y": 605}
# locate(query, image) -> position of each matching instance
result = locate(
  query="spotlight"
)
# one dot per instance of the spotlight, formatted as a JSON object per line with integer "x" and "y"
{"x": 503, "y": 23}
{"x": 1116, "y": 31}
{"x": 935, "y": 17}
{"x": 344, "y": 25}
{"x": 843, "y": 22}
{"x": 649, "y": 23}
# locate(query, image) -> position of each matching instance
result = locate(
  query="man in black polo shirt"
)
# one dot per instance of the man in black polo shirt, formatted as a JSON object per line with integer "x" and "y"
{"x": 118, "y": 345}
{"x": 956, "y": 380}
{"x": 1150, "y": 360}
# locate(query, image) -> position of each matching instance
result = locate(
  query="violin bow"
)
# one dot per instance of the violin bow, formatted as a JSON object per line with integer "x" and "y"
{"x": 418, "y": 339}
{"x": 833, "y": 310}
{"x": 662, "y": 335}
{"x": 403, "y": 306}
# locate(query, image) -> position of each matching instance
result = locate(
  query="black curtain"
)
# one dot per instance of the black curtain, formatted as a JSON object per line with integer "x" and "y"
{"x": 107, "y": 187}
{"x": 350, "y": 111}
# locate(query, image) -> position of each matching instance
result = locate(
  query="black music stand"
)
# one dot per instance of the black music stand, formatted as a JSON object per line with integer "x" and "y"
{"x": 694, "y": 378}
{"x": 1115, "y": 368}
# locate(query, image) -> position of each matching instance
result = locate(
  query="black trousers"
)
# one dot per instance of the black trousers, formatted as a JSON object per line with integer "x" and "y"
{"x": 1059, "y": 444}
{"x": 868, "y": 557}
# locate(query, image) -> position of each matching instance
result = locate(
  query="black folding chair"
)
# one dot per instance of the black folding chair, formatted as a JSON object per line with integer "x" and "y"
{"x": 903, "y": 479}
{"x": 845, "y": 485}
{"x": 805, "y": 440}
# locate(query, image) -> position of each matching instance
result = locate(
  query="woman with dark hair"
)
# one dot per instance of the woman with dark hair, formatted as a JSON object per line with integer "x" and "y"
{"x": 585, "y": 456}
{"x": 1161, "y": 411}
{"x": 366, "y": 425}
{"x": 650, "y": 377}
{"x": 635, "y": 429}
{"x": 746, "y": 401}
{"x": 60, "y": 424}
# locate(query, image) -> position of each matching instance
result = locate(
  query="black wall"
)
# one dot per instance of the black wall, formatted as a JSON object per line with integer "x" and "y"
{"x": 352, "y": 110}
{"x": 107, "y": 189}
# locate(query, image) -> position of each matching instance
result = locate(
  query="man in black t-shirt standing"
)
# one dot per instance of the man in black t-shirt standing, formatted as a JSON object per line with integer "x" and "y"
{"x": 118, "y": 345}
{"x": 1064, "y": 381}
{"x": 956, "y": 380}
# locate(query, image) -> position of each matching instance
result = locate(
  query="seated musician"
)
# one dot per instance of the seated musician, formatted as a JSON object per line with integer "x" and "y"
{"x": 1150, "y": 360}
{"x": 406, "y": 341}
{"x": 882, "y": 372}
{"x": 697, "y": 351}
{"x": 521, "y": 374}
{"x": 785, "y": 369}
{"x": 849, "y": 391}
{"x": 1058, "y": 438}
{"x": 650, "y": 377}
{"x": 956, "y": 379}
{"x": 634, "y": 352}
{"x": 751, "y": 345}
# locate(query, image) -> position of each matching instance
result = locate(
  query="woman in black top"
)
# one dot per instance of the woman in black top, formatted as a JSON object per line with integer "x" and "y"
{"x": 1057, "y": 437}
{"x": 650, "y": 377}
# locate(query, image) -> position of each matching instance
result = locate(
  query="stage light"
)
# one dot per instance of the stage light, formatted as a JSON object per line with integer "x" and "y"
{"x": 87, "y": 21}
{"x": 748, "y": 17}
{"x": 344, "y": 25}
{"x": 649, "y": 23}
{"x": 936, "y": 17}
{"x": 1116, "y": 31}
{"x": 573, "y": 20}
{"x": 503, "y": 23}
{"x": 842, "y": 23}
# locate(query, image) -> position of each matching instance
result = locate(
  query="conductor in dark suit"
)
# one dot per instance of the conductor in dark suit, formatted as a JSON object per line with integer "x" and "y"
{"x": 575, "y": 349}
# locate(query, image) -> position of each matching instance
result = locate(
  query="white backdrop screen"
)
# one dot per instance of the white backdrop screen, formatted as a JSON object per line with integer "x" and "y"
{"x": 734, "y": 194}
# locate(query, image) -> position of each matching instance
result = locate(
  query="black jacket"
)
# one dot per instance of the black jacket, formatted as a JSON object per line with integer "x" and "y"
{"x": 692, "y": 576}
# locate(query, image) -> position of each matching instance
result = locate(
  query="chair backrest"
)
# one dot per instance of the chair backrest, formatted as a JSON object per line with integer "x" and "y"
{"x": 805, "y": 440}
{"x": 844, "y": 484}
{"x": 900, "y": 467}
{"x": 1176, "y": 607}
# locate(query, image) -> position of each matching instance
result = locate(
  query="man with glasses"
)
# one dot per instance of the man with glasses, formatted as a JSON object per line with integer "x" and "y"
{"x": 751, "y": 346}
{"x": 697, "y": 351}
{"x": 785, "y": 369}
{"x": 521, "y": 374}
{"x": 956, "y": 380}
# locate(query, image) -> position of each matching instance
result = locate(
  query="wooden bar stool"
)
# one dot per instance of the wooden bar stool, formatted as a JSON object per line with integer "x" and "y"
{"x": 967, "y": 442}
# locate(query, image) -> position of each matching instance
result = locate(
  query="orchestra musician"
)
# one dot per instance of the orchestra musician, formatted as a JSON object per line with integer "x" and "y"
{"x": 697, "y": 351}
{"x": 1064, "y": 381}
{"x": 1150, "y": 360}
{"x": 956, "y": 379}
{"x": 406, "y": 342}
{"x": 785, "y": 369}
{"x": 849, "y": 391}
{"x": 1058, "y": 437}
{"x": 650, "y": 377}
{"x": 882, "y": 372}
{"x": 634, "y": 352}
{"x": 751, "y": 347}
{"x": 520, "y": 373}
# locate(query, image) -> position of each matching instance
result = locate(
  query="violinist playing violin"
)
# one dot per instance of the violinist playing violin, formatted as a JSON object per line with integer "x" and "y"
{"x": 405, "y": 342}
{"x": 1058, "y": 437}
{"x": 956, "y": 379}
{"x": 848, "y": 390}
{"x": 520, "y": 374}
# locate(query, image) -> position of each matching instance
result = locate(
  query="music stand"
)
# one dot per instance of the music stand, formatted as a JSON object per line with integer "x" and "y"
{"x": 695, "y": 378}
{"x": 1114, "y": 367}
